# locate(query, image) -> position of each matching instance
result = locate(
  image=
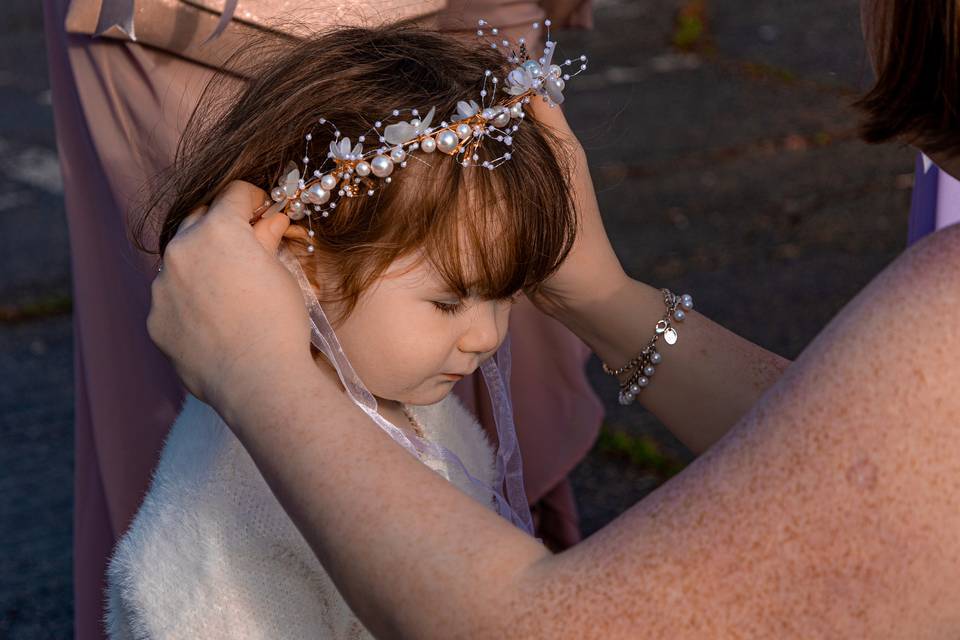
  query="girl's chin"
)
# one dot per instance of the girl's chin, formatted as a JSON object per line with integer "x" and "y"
{"x": 426, "y": 395}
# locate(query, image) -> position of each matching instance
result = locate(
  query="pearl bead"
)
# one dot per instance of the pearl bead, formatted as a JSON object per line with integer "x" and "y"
{"x": 679, "y": 315}
{"x": 655, "y": 357}
{"x": 310, "y": 248}
{"x": 296, "y": 210}
{"x": 516, "y": 110}
{"x": 317, "y": 194}
{"x": 502, "y": 118}
{"x": 649, "y": 370}
{"x": 382, "y": 166}
{"x": 278, "y": 194}
{"x": 429, "y": 145}
{"x": 447, "y": 141}
{"x": 533, "y": 67}
{"x": 627, "y": 398}
{"x": 362, "y": 169}
{"x": 328, "y": 182}
{"x": 556, "y": 71}
{"x": 463, "y": 130}
{"x": 634, "y": 389}
{"x": 687, "y": 301}
{"x": 643, "y": 381}
{"x": 488, "y": 114}
{"x": 398, "y": 154}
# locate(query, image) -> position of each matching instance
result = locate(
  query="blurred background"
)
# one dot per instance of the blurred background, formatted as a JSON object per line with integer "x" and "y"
{"x": 725, "y": 156}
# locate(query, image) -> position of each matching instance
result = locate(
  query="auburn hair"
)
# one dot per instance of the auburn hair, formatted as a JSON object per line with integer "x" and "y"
{"x": 916, "y": 97}
{"x": 488, "y": 233}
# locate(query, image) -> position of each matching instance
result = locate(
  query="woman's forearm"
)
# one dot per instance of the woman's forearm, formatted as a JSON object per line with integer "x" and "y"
{"x": 391, "y": 534}
{"x": 706, "y": 381}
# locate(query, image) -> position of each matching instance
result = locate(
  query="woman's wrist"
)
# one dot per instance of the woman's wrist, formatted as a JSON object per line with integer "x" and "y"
{"x": 262, "y": 386}
{"x": 613, "y": 317}
{"x": 592, "y": 296}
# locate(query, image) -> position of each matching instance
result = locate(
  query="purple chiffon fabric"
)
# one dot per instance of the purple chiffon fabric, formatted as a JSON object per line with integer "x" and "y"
{"x": 936, "y": 200}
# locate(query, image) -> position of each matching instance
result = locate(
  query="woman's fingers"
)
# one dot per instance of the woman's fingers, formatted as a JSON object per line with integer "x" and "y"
{"x": 238, "y": 199}
{"x": 191, "y": 219}
{"x": 270, "y": 229}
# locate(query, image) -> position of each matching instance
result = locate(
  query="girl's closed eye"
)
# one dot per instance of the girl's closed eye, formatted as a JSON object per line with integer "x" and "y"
{"x": 450, "y": 308}
{"x": 456, "y": 306}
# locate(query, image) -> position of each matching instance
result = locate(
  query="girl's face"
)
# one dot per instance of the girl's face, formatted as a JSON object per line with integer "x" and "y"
{"x": 410, "y": 339}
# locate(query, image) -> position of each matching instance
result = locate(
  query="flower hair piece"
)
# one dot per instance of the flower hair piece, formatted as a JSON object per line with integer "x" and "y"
{"x": 347, "y": 171}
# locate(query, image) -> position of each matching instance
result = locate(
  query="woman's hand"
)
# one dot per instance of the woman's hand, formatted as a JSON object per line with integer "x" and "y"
{"x": 224, "y": 309}
{"x": 591, "y": 272}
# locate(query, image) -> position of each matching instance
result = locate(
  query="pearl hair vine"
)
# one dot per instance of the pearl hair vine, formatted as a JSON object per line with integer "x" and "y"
{"x": 347, "y": 171}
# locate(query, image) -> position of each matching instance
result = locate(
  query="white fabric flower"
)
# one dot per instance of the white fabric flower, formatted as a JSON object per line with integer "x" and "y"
{"x": 290, "y": 182}
{"x": 466, "y": 110}
{"x": 401, "y": 132}
{"x": 343, "y": 150}
{"x": 537, "y": 76}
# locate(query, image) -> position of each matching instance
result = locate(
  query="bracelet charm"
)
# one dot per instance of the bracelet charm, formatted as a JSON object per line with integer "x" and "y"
{"x": 642, "y": 367}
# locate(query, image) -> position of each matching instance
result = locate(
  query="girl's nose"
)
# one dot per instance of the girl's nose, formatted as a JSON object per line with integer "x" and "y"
{"x": 487, "y": 323}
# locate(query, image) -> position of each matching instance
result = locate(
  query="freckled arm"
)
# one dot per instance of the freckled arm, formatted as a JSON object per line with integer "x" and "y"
{"x": 830, "y": 510}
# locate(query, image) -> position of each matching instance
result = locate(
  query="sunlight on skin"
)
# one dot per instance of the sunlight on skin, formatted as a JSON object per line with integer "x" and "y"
{"x": 828, "y": 510}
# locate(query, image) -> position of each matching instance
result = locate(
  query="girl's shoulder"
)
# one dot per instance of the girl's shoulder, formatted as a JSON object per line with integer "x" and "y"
{"x": 210, "y": 525}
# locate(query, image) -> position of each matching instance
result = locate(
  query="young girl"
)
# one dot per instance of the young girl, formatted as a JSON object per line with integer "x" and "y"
{"x": 431, "y": 202}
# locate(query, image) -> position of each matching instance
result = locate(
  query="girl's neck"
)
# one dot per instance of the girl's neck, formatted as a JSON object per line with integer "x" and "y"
{"x": 392, "y": 410}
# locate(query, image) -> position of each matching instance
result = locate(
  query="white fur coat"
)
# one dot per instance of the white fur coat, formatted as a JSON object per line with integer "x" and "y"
{"x": 211, "y": 554}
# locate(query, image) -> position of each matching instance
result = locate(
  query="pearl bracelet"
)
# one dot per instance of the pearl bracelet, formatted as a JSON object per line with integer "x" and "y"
{"x": 642, "y": 367}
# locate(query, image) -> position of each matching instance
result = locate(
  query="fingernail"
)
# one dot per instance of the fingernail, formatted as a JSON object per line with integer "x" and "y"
{"x": 279, "y": 224}
{"x": 274, "y": 208}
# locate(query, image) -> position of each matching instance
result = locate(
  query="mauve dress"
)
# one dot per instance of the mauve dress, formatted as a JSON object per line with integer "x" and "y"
{"x": 936, "y": 200}
{"x": 119, "y": 108}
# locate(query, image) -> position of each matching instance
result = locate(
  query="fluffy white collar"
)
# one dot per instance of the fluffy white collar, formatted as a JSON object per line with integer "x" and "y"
{"x": 211, "y": 553}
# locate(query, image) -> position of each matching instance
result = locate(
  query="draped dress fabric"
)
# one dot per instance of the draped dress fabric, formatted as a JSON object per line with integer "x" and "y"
{"x": 936, "y": 200}
{"x": 119, "y": 110}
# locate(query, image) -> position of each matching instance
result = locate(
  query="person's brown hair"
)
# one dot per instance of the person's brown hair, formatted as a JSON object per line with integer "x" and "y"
{"x": 510, "y": 227}
{"x": 916, "y": 97}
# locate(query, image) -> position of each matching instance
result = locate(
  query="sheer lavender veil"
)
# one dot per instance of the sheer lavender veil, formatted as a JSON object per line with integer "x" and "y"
{"x": 508, "y": 497}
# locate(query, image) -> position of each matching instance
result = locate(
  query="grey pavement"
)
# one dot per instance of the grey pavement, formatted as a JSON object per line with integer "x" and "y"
{"x": 728, "y": 168}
